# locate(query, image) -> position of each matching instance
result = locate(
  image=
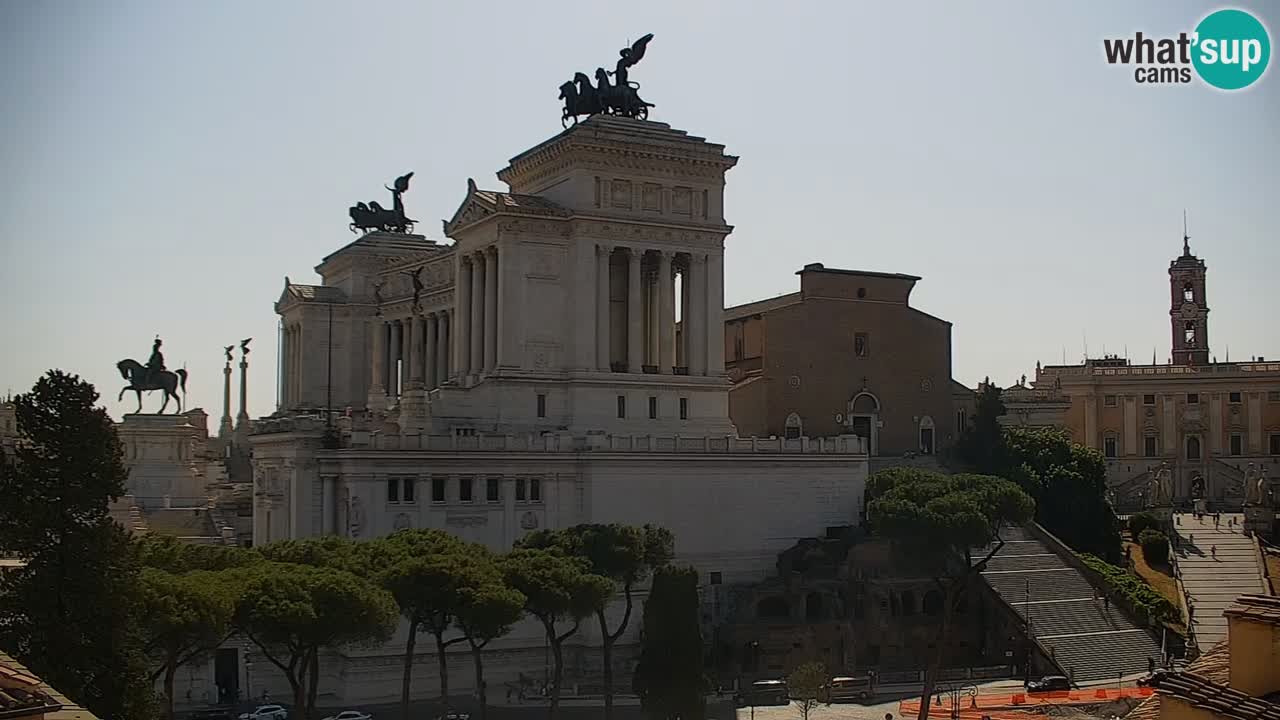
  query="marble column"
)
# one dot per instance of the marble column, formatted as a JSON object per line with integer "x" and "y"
{"x": 635, "y": 322}
{"x": 602, "y": 307}
{"x": 393, "y": 387}
{"x": 462, "y": 347}
{"x": 696, "y": 327}
{"x": 431, "y": 329}
{"x": 476, "y": 325}
{"x": 413, "y": 338}
{"x": 490, "y": 309}
{"x": 666, "y": 314}
{"x": 445, "y": 342}
{"x": 683, "y": 349}
{"x": 714, "y": 332}
{"x": 378, "y": 329}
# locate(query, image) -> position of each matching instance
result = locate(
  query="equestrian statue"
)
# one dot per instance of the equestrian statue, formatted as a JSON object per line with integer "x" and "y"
{"x": 375, "y": 217}
{"x": 152, "y": 376}
{"x": 620, "y": 98}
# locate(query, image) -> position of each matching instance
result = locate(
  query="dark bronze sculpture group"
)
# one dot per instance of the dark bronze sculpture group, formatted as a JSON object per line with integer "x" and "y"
{"x": 152, "y": 376}
{"x": 375, "y": 217}
{"x": 620, "y": 98}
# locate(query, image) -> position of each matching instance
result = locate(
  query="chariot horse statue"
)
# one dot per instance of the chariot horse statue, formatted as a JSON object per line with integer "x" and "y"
{"x": 152, "y": 376}
{"x": 375, "y": 217}
{"x": 620, "y": 98}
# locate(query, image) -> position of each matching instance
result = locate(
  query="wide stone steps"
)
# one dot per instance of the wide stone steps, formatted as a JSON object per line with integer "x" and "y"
{"x": 1090, "y": 639}
{"x": 1217, "y": 563}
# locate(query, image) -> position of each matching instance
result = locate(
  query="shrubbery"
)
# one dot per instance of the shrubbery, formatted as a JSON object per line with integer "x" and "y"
{"x": 1142, "y": 521}
{"x": 1155, "y": 547}
{"x": 1134, "y": 591}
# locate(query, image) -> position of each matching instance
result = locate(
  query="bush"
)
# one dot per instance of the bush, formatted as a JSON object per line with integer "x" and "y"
{"x": 1133, "y": 590}
{"x": 1140, "y": 522}
{"x": 1155, "y": 547}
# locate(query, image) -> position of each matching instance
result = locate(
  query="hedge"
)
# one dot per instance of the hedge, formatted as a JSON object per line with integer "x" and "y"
{"x": 1155, "y": 547}
{"x": 1133, "y": 590}
{"x": 1140, "y": 522}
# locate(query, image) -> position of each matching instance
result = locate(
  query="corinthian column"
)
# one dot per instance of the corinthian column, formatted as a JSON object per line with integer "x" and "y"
{"x": 462, "y": 298}
{"x": 490, "y": 309}
{"x": 444, "y": 344}
{"x": 378, "y": 388}
{"x": 393, "y": 387}
{"x": 431, "y": 330}
{"x": 413, "y": 338}
{"x": 695, "y": 326}
{"x": 602, "y": 307}
{"x": 666, "y": 314}
{"x": 635, "y": 321}
{"x": 476, "y": 329}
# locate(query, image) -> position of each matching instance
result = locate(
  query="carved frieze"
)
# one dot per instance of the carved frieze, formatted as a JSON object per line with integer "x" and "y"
{"x": 466, "y": 520}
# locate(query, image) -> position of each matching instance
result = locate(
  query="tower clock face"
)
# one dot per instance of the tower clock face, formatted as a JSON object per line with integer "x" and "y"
{"x": 1189, "y": 310}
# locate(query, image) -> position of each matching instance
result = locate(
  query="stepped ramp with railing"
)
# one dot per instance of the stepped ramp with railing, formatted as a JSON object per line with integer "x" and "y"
{"x": 1088, "y": 638}
{"x": 1216, "y": 563}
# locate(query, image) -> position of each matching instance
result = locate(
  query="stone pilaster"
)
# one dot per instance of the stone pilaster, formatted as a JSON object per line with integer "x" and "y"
{"x": 666, "y": 314}
{"x": 490, "y": 309}
{"x": 432, "y": 370}
{"x": 462, "y": 347}
{"x": 635, "y": 322}
{"x": 476, "y": 321}
{"x": 602, "y": 307}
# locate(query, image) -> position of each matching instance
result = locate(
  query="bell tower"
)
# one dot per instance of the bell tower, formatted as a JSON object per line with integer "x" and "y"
{"x": 1188, "y": 311}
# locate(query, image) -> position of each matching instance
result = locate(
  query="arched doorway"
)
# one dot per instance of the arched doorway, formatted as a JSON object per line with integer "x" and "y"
{"x": 864, "y": 419}
{"x": 926, "y": 435}
{"x": 794, "y": 427}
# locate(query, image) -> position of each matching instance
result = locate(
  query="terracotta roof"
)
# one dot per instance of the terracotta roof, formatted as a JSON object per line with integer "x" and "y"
{"x": 22, "y": 694}
{"x": 1201, "y": 692}
{"x": 1214, "y": 666}
{"x": 1262, "y": 608}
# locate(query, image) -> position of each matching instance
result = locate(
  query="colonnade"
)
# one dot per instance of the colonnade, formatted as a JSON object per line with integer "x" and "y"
{"x": 477, "y": 296}
{"x": 291, "y": 350}
{"x": 411, "y": 353}
{"x": 642, "y": 338}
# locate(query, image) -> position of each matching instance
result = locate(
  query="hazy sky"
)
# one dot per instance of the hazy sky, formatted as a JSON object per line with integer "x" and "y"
{"x": 164, "y": 165}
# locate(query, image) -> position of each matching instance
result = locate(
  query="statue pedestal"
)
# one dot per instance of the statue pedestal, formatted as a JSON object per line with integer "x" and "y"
{"x": 1164, "y": 514}
{"x": 1258, "y": 520}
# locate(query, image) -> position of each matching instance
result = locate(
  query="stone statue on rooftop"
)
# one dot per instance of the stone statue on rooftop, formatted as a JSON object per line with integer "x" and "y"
{"x": 152, "y": 376}
{"x": 620, "y": 98}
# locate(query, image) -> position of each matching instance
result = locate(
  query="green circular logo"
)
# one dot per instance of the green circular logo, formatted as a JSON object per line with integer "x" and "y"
{"x": 1231, "y": 49}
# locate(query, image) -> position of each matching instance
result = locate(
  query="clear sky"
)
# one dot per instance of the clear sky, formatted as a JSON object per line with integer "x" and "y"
{"x": 164, "y": 165}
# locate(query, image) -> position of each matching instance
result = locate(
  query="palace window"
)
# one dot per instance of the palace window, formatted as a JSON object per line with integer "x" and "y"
{"x": 493, "y": 490}
{"x": 464, "y": 488}
{"x": 1149, "y": 446}
{"x": 1233, "y": 397}
{"x": 1275, "y": 443}
{"x": 653, "y": 408}
{"x": 1109, "y": 446}
{"x": 535, "y": 489}
{"x": 622, "y": 406}
{"x": 716, "y": 577}
{"x": 520, "y": 489}
{"x": 1193, "y": 398}
{"x": 1188, "y": 293}
{"x": 1149, "y": 399}
{"x": 1193, "y": 448}
{"x": 393, "y": 489}
{"x": 684, "y": 408}
{"x": 406, "y": 489}
{"x": 542, "y": 406}
{"x": 437, "y": 489}
{"x": 1237, "y": 444}
{"x": 1273, "y": 396}
{"x": 1109, "y": 400}
{"x": 1189, "y": 333}
{"x": 861, "y": 344}
{"x": 862, "y": 292}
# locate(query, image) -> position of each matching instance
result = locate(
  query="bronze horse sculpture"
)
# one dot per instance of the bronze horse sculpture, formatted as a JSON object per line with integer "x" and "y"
{"x": 375, "y": 217}
{"x": 168, "y": 381}
{"x": 620, "y": 98}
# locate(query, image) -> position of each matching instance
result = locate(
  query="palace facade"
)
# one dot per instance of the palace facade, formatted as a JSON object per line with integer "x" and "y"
{"x": 1210, "y": 421}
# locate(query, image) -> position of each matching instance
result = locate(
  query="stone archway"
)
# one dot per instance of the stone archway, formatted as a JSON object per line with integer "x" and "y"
{"x": 928, "y": 436}
{"x": 863, "y": 419}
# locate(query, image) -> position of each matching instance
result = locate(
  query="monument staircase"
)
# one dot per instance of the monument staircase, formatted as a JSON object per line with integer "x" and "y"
{"x": 1126, "y": 491}
{"x": 1045, "y": 583}
{"x": 1216, "y": 563}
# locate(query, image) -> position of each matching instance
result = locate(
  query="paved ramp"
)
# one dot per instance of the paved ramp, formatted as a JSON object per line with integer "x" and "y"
{"x": 1086, "y": 637}
{"x": 1217, "y": 564}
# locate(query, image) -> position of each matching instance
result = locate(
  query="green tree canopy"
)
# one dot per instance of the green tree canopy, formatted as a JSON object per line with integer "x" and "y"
{"x": 669, "y": 677}
{"x": 183, "y": 616}
{"x": 558, "y": 589}
{"x": 487, "y": 608}
{"x": 937, "y": 520}
{"x": 623, "y": 553}
{"x": 981, "y": 444}
{"x": 292, "y": 611}
{"x": 69, "y": 614}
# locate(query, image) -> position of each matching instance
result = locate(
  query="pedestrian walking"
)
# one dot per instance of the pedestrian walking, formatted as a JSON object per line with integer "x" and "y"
{"x": 1213, "y": 550}
{"x": 1217, "y": 519}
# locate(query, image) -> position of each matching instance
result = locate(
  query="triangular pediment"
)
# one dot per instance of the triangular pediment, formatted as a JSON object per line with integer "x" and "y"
{"x": 474, "y": 208}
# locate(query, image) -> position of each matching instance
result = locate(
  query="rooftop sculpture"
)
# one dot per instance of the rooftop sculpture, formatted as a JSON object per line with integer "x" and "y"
{"x": 620, "y": 98}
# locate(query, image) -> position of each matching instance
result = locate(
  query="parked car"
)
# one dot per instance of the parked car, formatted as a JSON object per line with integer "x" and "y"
{"x": 453, "y": 715}
{"x": 350, "y": 715}
{"x": 766, "y": 692}
{"x": 219, "y": 713}
{"x": 266, "y": 712}
{"x": 1049, "y": 683}
{"x": 844, "y": 689}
